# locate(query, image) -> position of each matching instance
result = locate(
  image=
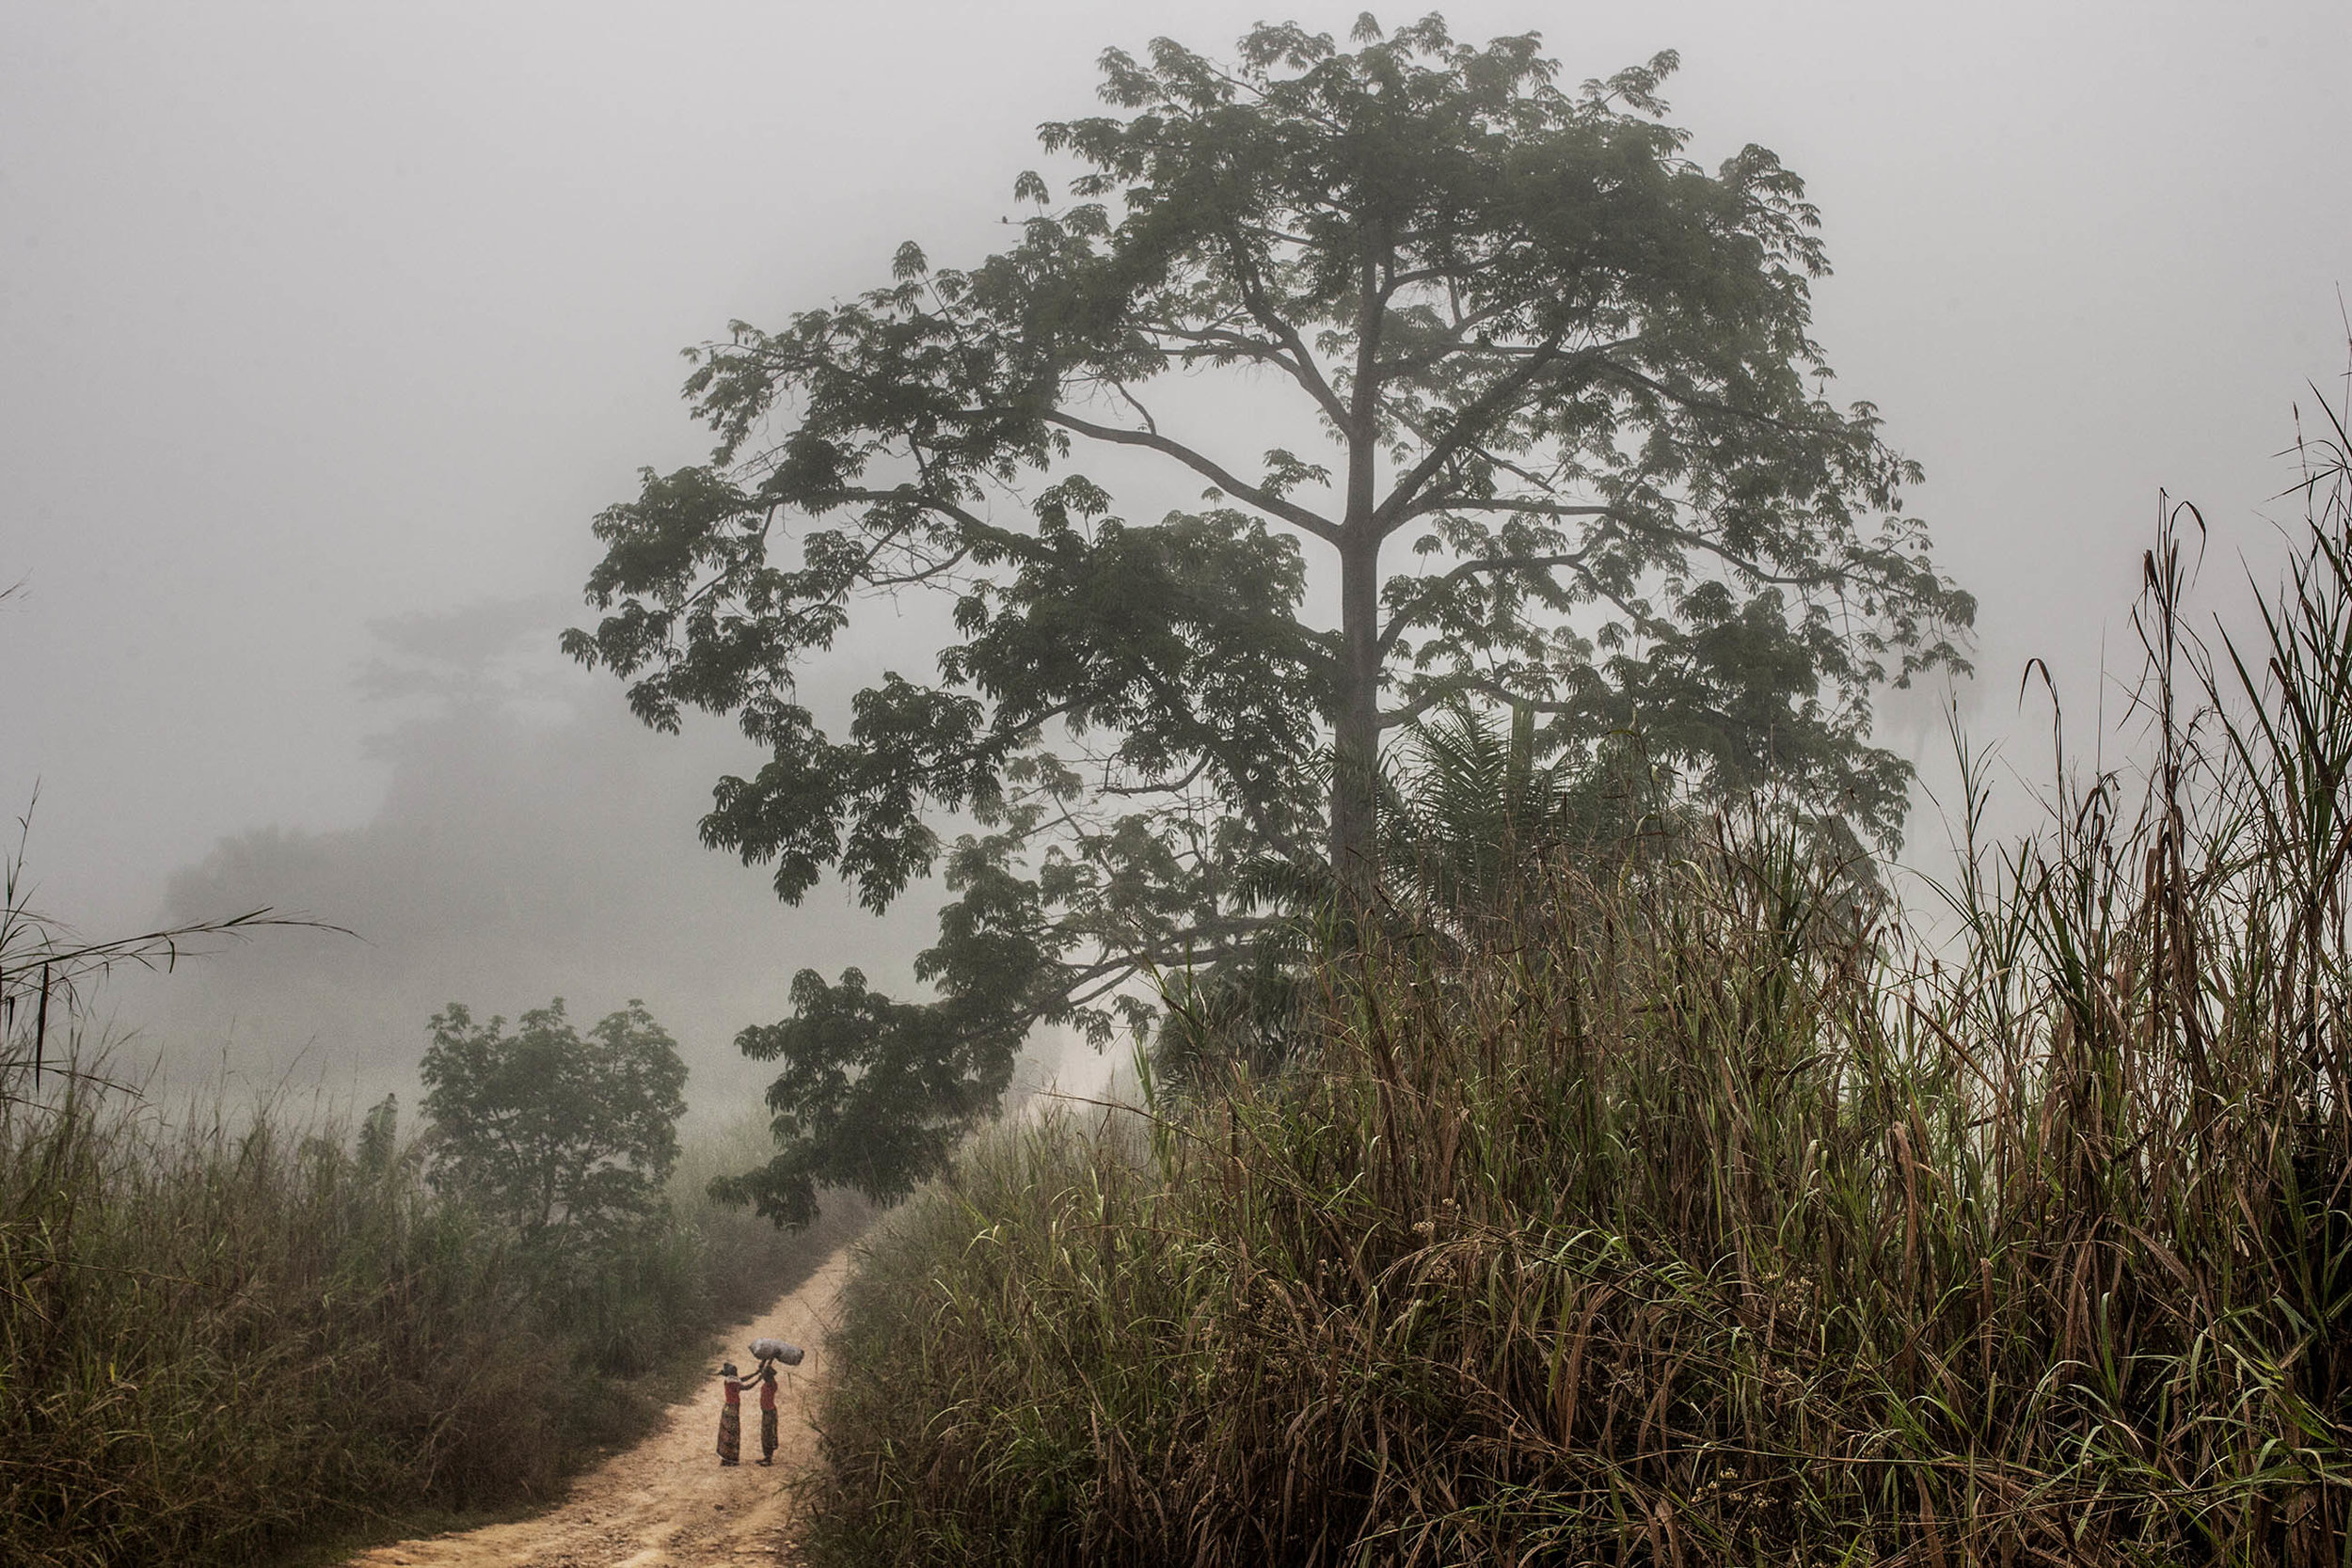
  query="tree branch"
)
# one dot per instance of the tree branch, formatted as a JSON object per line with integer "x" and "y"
{"x": 1149, "y": 423}
{"x": 1264, "y": 500}
{"x": 1455, "y": 686}
{"x": 1749, "y": 568}
{"x": 1467, "y": 433}
{"x": 902, "y": 495}
{"x": 1466, "y": 430}
{"x": 1456, "y": 502}
{"x": 1449, "y": 343}
{"x": 1691, "y": 400}
{"x": 1157, "y": 786}
{"x": 1304, "y": 369}
{"x": 1266, "y": 353}
{"x": 1498, "y": 563}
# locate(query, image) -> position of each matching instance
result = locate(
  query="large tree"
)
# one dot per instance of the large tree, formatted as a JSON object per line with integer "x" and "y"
{"x": 1562, "y": 442}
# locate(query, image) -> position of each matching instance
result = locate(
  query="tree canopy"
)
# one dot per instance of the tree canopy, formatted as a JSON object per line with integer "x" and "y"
{"x": 560, "y": 1136}
{"x": 1565, "y": 446}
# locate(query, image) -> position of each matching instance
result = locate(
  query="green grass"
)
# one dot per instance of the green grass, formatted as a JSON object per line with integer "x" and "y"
{"x": 1693, "y": 1209}
{"x": 222, "y": 1337}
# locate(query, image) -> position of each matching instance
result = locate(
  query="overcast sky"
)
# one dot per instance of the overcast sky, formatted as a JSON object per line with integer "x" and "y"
{"x": 317, "y": 319}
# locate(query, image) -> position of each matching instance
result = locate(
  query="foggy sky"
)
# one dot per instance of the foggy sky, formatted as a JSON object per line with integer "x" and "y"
{"x": 320, "y": 324}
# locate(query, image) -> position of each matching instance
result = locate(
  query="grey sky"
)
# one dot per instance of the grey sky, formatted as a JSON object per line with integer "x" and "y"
{"x": 314, "y": 316}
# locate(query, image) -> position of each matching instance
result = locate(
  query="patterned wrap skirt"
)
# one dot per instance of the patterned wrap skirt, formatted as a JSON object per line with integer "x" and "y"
{"x": 731, "y": 1433}
{"x": 768, "y": 1432}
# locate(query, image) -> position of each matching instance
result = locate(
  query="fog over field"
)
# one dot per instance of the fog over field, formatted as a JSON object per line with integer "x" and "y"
{"x": 326, "y": 329}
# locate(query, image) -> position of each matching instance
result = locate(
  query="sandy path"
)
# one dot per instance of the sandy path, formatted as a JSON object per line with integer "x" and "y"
{"x": 668, "y": 1502}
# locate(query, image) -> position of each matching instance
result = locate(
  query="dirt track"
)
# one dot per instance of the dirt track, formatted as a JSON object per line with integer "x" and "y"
{"x": 668, "y": 1502}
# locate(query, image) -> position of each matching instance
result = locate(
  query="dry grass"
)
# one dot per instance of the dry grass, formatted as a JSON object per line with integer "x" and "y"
{"x": 220, "y": 1337}
{"x": 1699, "y": 1214}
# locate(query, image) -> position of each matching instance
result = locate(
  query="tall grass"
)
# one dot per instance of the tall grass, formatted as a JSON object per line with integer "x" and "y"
{"x": 1703, "y": 1213}
{"x": 221, "y": 1335}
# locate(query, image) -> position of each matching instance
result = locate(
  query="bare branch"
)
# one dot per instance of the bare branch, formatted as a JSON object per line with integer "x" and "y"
{"x": 1145, "y": 414}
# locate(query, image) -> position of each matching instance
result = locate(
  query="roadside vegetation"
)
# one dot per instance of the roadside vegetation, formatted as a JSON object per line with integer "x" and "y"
{"x": 225, "y": 1333}
{"x": 1689, "y": 1202}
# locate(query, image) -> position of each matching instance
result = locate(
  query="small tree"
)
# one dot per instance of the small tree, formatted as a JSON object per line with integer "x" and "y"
{"x": 558, "y": 1134}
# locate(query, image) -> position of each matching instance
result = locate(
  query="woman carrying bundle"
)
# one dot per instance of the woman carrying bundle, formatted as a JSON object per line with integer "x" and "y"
{"x": 767, "y": 1376}
{"x": 731, "y": 1415}
{"x": 770, "y": 1351}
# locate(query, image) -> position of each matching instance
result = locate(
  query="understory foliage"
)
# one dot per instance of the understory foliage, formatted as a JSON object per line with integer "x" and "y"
{"x": 1697, "y": 1214}
{"x": 221, "y": 1335}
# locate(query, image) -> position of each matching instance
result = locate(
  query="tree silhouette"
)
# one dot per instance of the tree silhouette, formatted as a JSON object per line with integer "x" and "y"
{"x": 1574, "y": 457}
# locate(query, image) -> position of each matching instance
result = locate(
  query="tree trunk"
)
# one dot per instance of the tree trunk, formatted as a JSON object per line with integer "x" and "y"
{"x": 1355, "y": 751}
{"x": 1355, "y": 744}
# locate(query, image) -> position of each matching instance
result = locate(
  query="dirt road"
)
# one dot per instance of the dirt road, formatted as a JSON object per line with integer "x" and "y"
{"x": 668, "y": 1502}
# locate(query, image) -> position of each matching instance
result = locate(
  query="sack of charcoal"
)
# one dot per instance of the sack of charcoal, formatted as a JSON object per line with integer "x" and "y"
{"x": 777, "y": 1350}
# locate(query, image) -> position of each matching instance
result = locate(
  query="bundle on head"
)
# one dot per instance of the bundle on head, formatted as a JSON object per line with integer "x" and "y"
{"x": 777, "y": 1350}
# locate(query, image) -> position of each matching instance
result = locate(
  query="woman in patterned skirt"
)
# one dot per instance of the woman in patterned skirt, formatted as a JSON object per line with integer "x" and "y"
{"x": 731, "y": 1416}
{"x": 767, "y": 1376}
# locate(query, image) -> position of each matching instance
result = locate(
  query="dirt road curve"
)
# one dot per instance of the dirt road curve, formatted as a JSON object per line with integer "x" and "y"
{"x": 668, "y": 1502}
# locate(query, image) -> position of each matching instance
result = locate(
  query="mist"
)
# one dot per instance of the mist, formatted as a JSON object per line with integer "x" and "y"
{"x": 528, "y": 846}
{"x": 325, "y": 331}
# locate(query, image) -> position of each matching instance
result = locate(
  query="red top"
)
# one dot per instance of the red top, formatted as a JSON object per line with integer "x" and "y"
{"x": 766, "y": 1393}
{"x": 735, "y": 1391}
